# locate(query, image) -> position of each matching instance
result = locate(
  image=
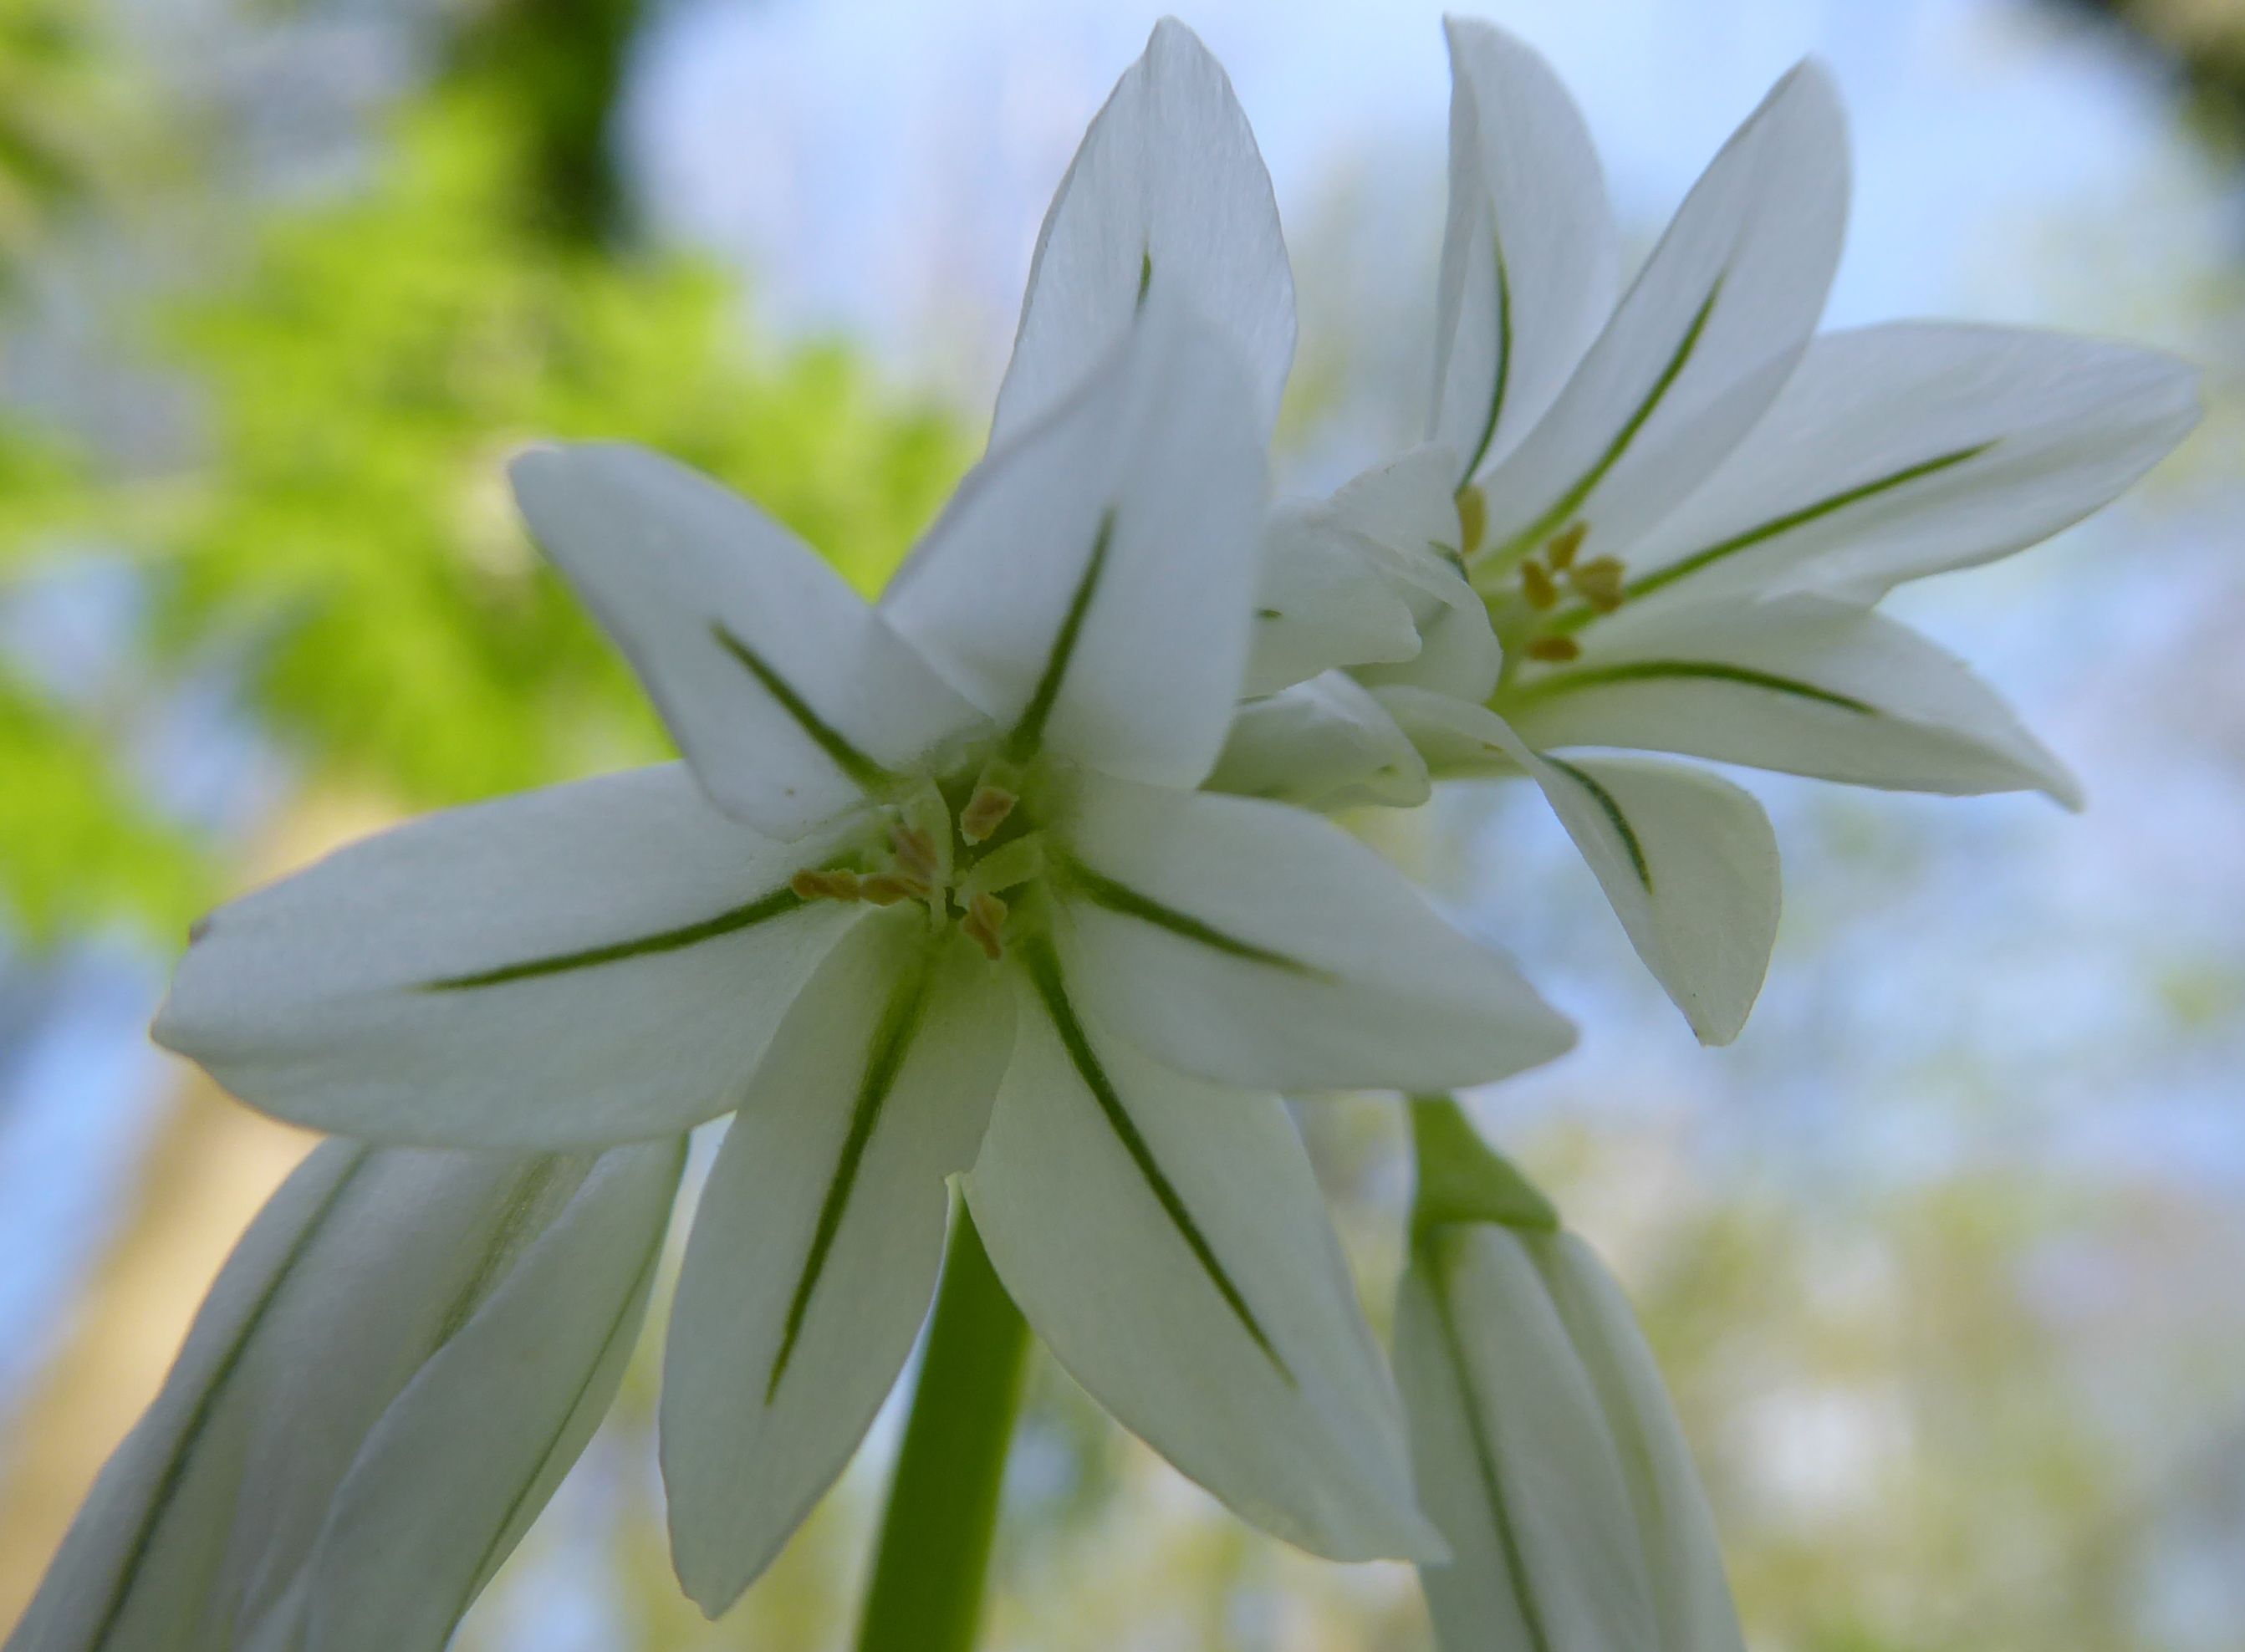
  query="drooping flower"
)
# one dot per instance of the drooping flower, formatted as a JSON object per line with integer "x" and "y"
{"x": 1547, "y": 1449}
{"x": 1678, "y": 505}
{"x": 935, "y": 894}
{"x": 397, "y": 1364}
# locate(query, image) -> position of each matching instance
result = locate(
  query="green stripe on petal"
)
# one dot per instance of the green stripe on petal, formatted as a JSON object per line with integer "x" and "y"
{"x": 1504, "y": 376}
{"x": 821, "y": 734}
{"x": 183, "y": 1451}
{"x": 1028, "y": 734}
{"x": 1615, "y": 817}
{"x": 1096, "y": 887}
{"x": 1683, "y": 670}
{"x": 1658, "y": 578}
{"x": 1044, "y": 971}
{"x": 1487, "y": 1472}
{"x": 892, "y": 1040}
{"x": 1565, "y": 507}
{"x": 778, "y": 903}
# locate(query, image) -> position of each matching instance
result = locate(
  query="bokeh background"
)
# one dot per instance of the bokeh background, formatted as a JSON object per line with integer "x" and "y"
{"x": 1943, "y": 1257}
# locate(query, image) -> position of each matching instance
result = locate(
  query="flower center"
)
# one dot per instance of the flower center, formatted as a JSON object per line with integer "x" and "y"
{"x": 957, "y": 844}
{"x": 1540, "y": 595}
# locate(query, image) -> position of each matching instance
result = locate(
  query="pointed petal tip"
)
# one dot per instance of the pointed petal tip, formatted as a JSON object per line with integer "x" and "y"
{"x": 1171, "y": 33}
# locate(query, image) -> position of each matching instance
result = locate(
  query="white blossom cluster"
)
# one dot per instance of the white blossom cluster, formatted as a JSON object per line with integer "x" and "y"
{"x": 1018, "y": 882}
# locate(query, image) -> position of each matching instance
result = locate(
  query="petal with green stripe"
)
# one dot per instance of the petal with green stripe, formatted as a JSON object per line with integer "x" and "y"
{"x": 787, "y": 692}
{"x": 817, "y": 1245}
{"x": 1166, "y": 1240}
{"x": 1166, "y": 192}
{"x": 1256, "y": 944}
{"x": 1091, "y": 588}
{"x": 1530, "y": 254}
{"x": 1805, "y": 685}
{"x": 1703, "y": 340}
{"x": 589, "y": 964}
{"x": 1902, "y": 450}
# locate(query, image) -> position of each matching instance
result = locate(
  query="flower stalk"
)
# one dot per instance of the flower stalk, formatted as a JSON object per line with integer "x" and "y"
{"x": 924, "y": 1591}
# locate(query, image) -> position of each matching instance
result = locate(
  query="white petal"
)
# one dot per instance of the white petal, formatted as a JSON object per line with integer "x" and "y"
{"x": 1458, "y": 739}
{"x": 1167, "y": 192}
{"x": 1459, "y": 655}
{"x": 788, "y": 694}
{"x": 589, "y": 964}
{"x": 1702, "y": 343}
{"x": 1166, "y": 1241}
{"x": 1900, "y": 451}
{"x": 365, "y": 1264}
{"x": 1354, "y": 581}
{"x": 1090, "y": 587}
{"x": 1688, "y": 861}
{"x": 1513, "y": 1459}
{"x": 1406, "y": 517}
{"x": 1802, "y": 684}
{"x": 1256, "y": 944}
{"x": 1531, "y": 256}
{"x": 817, "y": 1245}
{"x": 1325, "y": 744}
{"x": 1685, "y": 1560}
{"x": 460, "y": 1464}
{"x": 1320, "y": 601}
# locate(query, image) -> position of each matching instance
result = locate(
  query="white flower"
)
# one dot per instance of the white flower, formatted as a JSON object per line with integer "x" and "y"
{"x": 1547, "y": 1450}
{"x": 1679, "y": 505}
{"x": 933, "y": 895}
{"x": 393, "y": 1372}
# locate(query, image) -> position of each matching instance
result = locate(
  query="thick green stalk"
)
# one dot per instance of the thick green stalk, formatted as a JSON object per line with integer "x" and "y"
{"x": 925, "y": 1590}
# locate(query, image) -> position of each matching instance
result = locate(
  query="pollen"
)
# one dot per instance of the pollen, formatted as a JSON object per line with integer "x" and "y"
{"x": 917, "y": 857}
{"x": 1473, "y": 518}
{"x": 1555, "y": 650}
{"x": 839, "y": 885}
{"x": 985, "y": 924}
{"x": 985, "y": 812}
{"x": 1535, "y": 584}
{"x": 1560, "y": 553}
{"x": 886, "y": 889}
{"x": 1599, "y": 582}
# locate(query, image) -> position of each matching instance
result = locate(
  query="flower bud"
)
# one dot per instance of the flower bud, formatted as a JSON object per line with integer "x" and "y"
{"x": 1544, "y": 1442}
{"x": 390, "y": 1376}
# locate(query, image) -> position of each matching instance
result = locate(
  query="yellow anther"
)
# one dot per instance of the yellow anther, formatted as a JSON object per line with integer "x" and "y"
{"x": 1535, "y": 584}
{"x": 917, "y": 856}
{"x": 985, "y": 812}
{"x": 886, "y": 889}
{"x": 1555, "y": 650}
{"x": 1473, "y": 518}
{"x": 1599, "y": 582}
{"x": 985, "y": 924}
{"x": 840, "y": 884}
{"x": 1561, "y": 551}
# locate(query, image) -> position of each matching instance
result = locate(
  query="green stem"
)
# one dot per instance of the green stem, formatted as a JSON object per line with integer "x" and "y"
{"x": 926, "y": 1591}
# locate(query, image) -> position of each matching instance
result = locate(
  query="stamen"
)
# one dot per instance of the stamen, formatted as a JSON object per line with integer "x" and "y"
{"x": 1599, "y": 582}
{"x": 839, "y": 885}
{"x": 1473, "y": 518}
{"x": 1535, "y": 584}
{"x": 1560, "y": 553}
{"x": 886, "y": 889}
{"x": 984, "y": 924}
{"x": 917, "y": 856}
{"x": 1555, "y": 650}
{"x": 985, "y": 812}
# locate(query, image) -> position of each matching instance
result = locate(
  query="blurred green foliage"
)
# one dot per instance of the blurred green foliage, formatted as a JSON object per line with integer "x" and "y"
{"x": 369, "y": 375}
{"x": 341, "y": 546}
